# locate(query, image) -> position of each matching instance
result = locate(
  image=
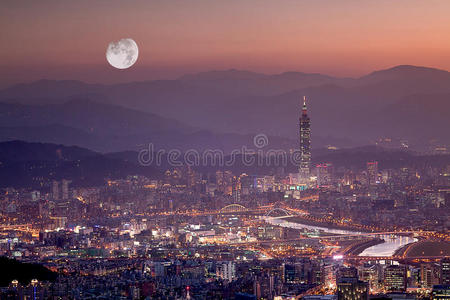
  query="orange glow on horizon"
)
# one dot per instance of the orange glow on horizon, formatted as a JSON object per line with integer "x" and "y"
{"x": 175, "y": 37}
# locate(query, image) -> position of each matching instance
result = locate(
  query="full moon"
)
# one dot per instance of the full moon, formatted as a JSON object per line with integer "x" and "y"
{"x": 122, "y": 54}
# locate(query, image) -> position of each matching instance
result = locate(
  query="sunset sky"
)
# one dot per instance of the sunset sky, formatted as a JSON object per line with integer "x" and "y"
{"x": 67, "y": 39}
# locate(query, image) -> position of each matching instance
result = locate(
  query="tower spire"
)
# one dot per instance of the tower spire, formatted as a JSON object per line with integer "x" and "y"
{"x": 305, "y": 144}
{"x": 304, "y": 109}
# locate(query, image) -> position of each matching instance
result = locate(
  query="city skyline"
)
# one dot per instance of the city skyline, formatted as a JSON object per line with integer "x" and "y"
{"x": 229, "y": 150}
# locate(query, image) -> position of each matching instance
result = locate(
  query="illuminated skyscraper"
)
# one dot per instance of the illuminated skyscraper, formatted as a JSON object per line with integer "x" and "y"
{"x": 236, "y": 190}
{"x": 445, "y": 271}
{"x": 55, "y": 190}
{"x": 395, "y": 278}
{"x": 324, "y": 174}
{"x": 372, "y": 172}
{"x": 305, "y": 143}
{"x": 226, "y": 270}
{"x": 440, "y": 292}
{"x": 65, "y": 189}
{"x": 352, "y": 289}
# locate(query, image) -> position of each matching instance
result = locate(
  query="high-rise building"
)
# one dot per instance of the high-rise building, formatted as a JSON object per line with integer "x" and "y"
{"x": 236, "y": 190}
{"x": 65, "y": 189}
{"x": 35, "y": 195}
{"x": 429, "y": 275}
{"x": 324, "y": 174}
{"x": 346, "y": 272}
{"x": 445, "y": 271}
{"x": 440, "y": 292}
{"x": 372, "y": 172}
{"x": 352, "y": 289}
{"x": 305, "y": 143}
{"x": 395, "y": 278}
{"x": 289, "y": 273}
{"x": 190, "y": 177}
{"x": 369, "y": 273}
{"x": 55, "y": 190}
{"x": 226, "y": 271}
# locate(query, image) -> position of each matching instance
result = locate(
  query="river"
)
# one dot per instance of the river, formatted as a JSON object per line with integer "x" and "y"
{"x": 388, "y": 248}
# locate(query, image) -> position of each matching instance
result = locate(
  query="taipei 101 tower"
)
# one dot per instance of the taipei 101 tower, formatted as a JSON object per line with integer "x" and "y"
{"x": 305, "y": 144}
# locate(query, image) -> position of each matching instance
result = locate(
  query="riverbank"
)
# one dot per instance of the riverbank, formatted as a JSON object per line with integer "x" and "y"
{"x": 387, "y": 248}
{"x": 425, "y": 248}
{"x": 331, "y": 225}
{"x": 359, "y": 247}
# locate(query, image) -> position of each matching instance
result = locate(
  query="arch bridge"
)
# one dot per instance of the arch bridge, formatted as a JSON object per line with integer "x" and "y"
{"x": 233, "y": 208}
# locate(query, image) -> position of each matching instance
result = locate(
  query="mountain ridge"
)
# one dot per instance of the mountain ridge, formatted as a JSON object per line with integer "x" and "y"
{"x": 260, "y": 103}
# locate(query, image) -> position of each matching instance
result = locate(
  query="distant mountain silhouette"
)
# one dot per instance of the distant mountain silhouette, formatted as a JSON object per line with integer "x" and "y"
{"x": 89, "y": 115}
{"x": 52, "y": 133}
{"x": 108, "y": 128}
{"x": 20, "y": 151}
{"x": 35, "y": 165}
{"x": 359, "y": 110}
{"x": 23, "y": 272}
{"x": 406, "y": 73}
{"x": 422, "y": 116}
